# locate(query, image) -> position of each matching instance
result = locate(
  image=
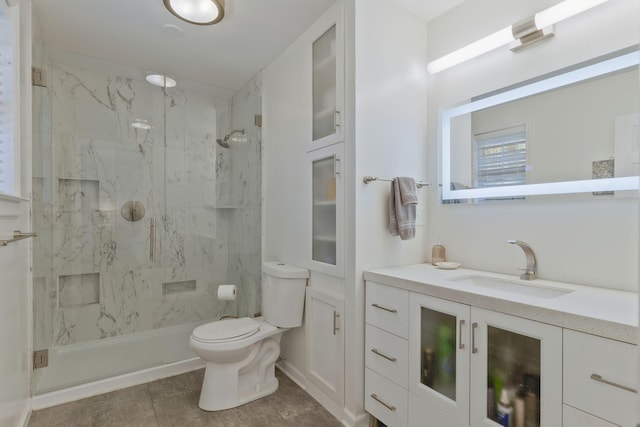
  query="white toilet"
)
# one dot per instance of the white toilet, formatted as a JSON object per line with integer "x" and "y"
{"x": 241, "y": 353}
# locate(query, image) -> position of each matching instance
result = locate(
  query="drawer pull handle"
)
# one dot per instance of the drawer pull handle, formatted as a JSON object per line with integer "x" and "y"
{"x": 474, "y": 326}
{"x": 599, "y": 378}
{"x": 390, "y": 358}
{"x": 390, "y": 310}
{"x": 460, "y": 343}
{"x": 383, "y": 403}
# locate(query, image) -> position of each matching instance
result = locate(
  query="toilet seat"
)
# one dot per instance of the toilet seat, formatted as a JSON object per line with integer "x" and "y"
{"x": 226, "y": 330}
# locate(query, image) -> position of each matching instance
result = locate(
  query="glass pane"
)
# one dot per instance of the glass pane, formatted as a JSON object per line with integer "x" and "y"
{"x": 324, "y": 84}
{"x": 438, "y": 346}
{"x": 324, "y": 211}
{"x": 137, "y": 225}
{"x": 513, "y": 383}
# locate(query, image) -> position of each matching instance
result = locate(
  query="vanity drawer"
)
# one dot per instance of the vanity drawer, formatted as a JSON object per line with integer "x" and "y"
{"x": 589, "y": 363}
{"x": 388, "y": 308}
{"x": 385, "y": 400}
{"x": 572, "y": 417}
{"x": 387, "y": 354}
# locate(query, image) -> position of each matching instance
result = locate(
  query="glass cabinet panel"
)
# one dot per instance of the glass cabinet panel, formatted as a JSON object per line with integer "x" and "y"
{"x": 324, "y": 85}
{"x": 324, "y": 210}
{"x": 438, "y": 352}
{"x": 513, "y": 378}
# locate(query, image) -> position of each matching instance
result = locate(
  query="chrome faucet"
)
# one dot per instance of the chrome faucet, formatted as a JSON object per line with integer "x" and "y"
{"x": 532, "y": 267}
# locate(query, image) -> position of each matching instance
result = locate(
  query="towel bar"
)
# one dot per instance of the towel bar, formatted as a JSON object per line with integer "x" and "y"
{"x": 367, "y": 179}
{"x": 17, "y": 235}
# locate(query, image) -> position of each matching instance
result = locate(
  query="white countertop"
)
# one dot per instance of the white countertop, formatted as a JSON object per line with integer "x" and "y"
{"x": 603, "y": 312}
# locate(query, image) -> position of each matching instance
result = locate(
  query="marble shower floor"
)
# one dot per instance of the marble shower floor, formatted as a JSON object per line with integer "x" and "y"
{"x": 173, "y": 402}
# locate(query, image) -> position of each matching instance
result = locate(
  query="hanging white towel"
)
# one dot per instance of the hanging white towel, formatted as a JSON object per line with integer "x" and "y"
{"x": 402, "y": 208}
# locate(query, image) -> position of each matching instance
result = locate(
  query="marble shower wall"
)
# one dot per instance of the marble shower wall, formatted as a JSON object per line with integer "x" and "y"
{"x": 94, "y": 277}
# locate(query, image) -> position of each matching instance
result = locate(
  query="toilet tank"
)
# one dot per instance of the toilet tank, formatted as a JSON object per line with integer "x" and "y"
{"x": 283, "y": 289}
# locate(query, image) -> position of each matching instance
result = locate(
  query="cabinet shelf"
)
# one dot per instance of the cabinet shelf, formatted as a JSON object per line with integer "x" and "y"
{"x": 329, "y": 203}
{"x": 325, "y": 238}
{"x": 325, "y": 113}
{"x": 328, "y": 62}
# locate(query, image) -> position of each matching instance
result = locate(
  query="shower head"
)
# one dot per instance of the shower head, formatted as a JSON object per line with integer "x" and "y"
{"x": 224, "y": 142}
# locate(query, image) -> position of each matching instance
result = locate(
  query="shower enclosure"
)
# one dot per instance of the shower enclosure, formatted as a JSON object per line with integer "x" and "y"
{"x": 137, "y": 225}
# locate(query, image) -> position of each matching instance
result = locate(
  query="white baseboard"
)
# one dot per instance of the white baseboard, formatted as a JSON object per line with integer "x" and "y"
{"x": 360, "y": 420}
{"x": 115, "y": 383}
{"x": 297, "y": 377}
{"x": 23, "y": 421}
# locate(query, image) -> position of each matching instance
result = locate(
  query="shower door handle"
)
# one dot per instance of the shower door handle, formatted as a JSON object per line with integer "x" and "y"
{"x": 152, "y": 240}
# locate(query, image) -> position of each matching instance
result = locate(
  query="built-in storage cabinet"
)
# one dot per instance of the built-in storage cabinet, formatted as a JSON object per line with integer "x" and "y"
{"x": 327, "y": 58}
{"x": 324, "y": 319}
{"x": 327, "y": 210}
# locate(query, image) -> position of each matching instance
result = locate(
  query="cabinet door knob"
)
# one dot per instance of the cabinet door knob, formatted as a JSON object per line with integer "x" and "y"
{"x": 460, "y": 343}
{"x": 335, "y": 322}
{"x": 390, "y": 310}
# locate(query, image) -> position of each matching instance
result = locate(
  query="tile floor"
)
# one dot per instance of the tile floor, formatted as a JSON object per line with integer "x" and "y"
{"x": 173, "y": 402}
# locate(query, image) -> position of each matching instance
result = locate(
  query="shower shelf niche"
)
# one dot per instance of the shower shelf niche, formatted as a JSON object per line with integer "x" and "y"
{"x": 222, "y": 206}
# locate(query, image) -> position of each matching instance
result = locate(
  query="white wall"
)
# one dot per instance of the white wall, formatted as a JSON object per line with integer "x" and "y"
{"x": 390, "y": 140}
{"x": 574, "y": 241}
{"x": 15, "y": 286}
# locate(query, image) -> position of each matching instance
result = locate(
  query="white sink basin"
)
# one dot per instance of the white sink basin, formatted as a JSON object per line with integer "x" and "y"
{"x": 520, "y": 287}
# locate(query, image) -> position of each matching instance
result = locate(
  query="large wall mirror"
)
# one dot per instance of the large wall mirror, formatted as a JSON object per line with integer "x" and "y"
{"x": 576, "y": 130}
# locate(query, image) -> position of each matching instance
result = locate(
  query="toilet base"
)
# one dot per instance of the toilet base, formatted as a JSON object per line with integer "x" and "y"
{"x": 227, "y": 385}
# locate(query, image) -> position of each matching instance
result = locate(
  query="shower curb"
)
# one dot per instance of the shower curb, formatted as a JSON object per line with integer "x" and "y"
{"x": 107, "y": 385}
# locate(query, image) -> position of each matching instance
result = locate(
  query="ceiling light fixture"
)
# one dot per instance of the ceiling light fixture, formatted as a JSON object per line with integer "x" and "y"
{"x": 521, "y": 34}
{"x": 199, "y": 12}
{"x": 160, "y": 80}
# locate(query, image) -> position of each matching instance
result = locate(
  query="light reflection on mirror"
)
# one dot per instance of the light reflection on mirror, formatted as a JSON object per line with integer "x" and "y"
{"x": 573, "y": 131}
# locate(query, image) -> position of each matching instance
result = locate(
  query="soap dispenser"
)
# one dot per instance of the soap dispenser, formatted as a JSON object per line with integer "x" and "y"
{"x": 437, "y": 254}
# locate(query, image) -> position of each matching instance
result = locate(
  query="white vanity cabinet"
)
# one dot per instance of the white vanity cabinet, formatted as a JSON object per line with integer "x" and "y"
{"x": 600, "y": 379}
{"x": 462, "y": 357}
{"x": 386, "y": 353}
{"x": 457, "y": 359}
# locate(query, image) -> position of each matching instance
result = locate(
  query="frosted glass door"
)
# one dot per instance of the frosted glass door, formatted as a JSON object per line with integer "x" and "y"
{"x": 439, "y": 358}
{"x": 324, "y": 85}
{"x": 326, "y": 55}
{"x": 324, "y": 211}
{"x": 327, "y": 216}
{"x": 519, "y": 362}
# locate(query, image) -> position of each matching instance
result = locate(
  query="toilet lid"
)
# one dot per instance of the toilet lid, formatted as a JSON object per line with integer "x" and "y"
{"x": 226, "y": 330}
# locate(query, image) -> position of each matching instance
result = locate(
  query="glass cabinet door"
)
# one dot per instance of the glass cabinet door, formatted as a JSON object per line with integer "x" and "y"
{"x": 326, "y": 53}
{"x": 439, "y": 358}
{"x": 324, "y": 211}
{"x": 324, "y": 85}
{"x": 327, "y": 215}
{"x": 515, "y": 371}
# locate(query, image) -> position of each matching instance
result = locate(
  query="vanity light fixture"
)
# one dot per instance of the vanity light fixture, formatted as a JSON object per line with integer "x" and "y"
{"x": 198, "y": 12}
{"x": 521, "y": 34}
{"x": 160, "y": 80}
